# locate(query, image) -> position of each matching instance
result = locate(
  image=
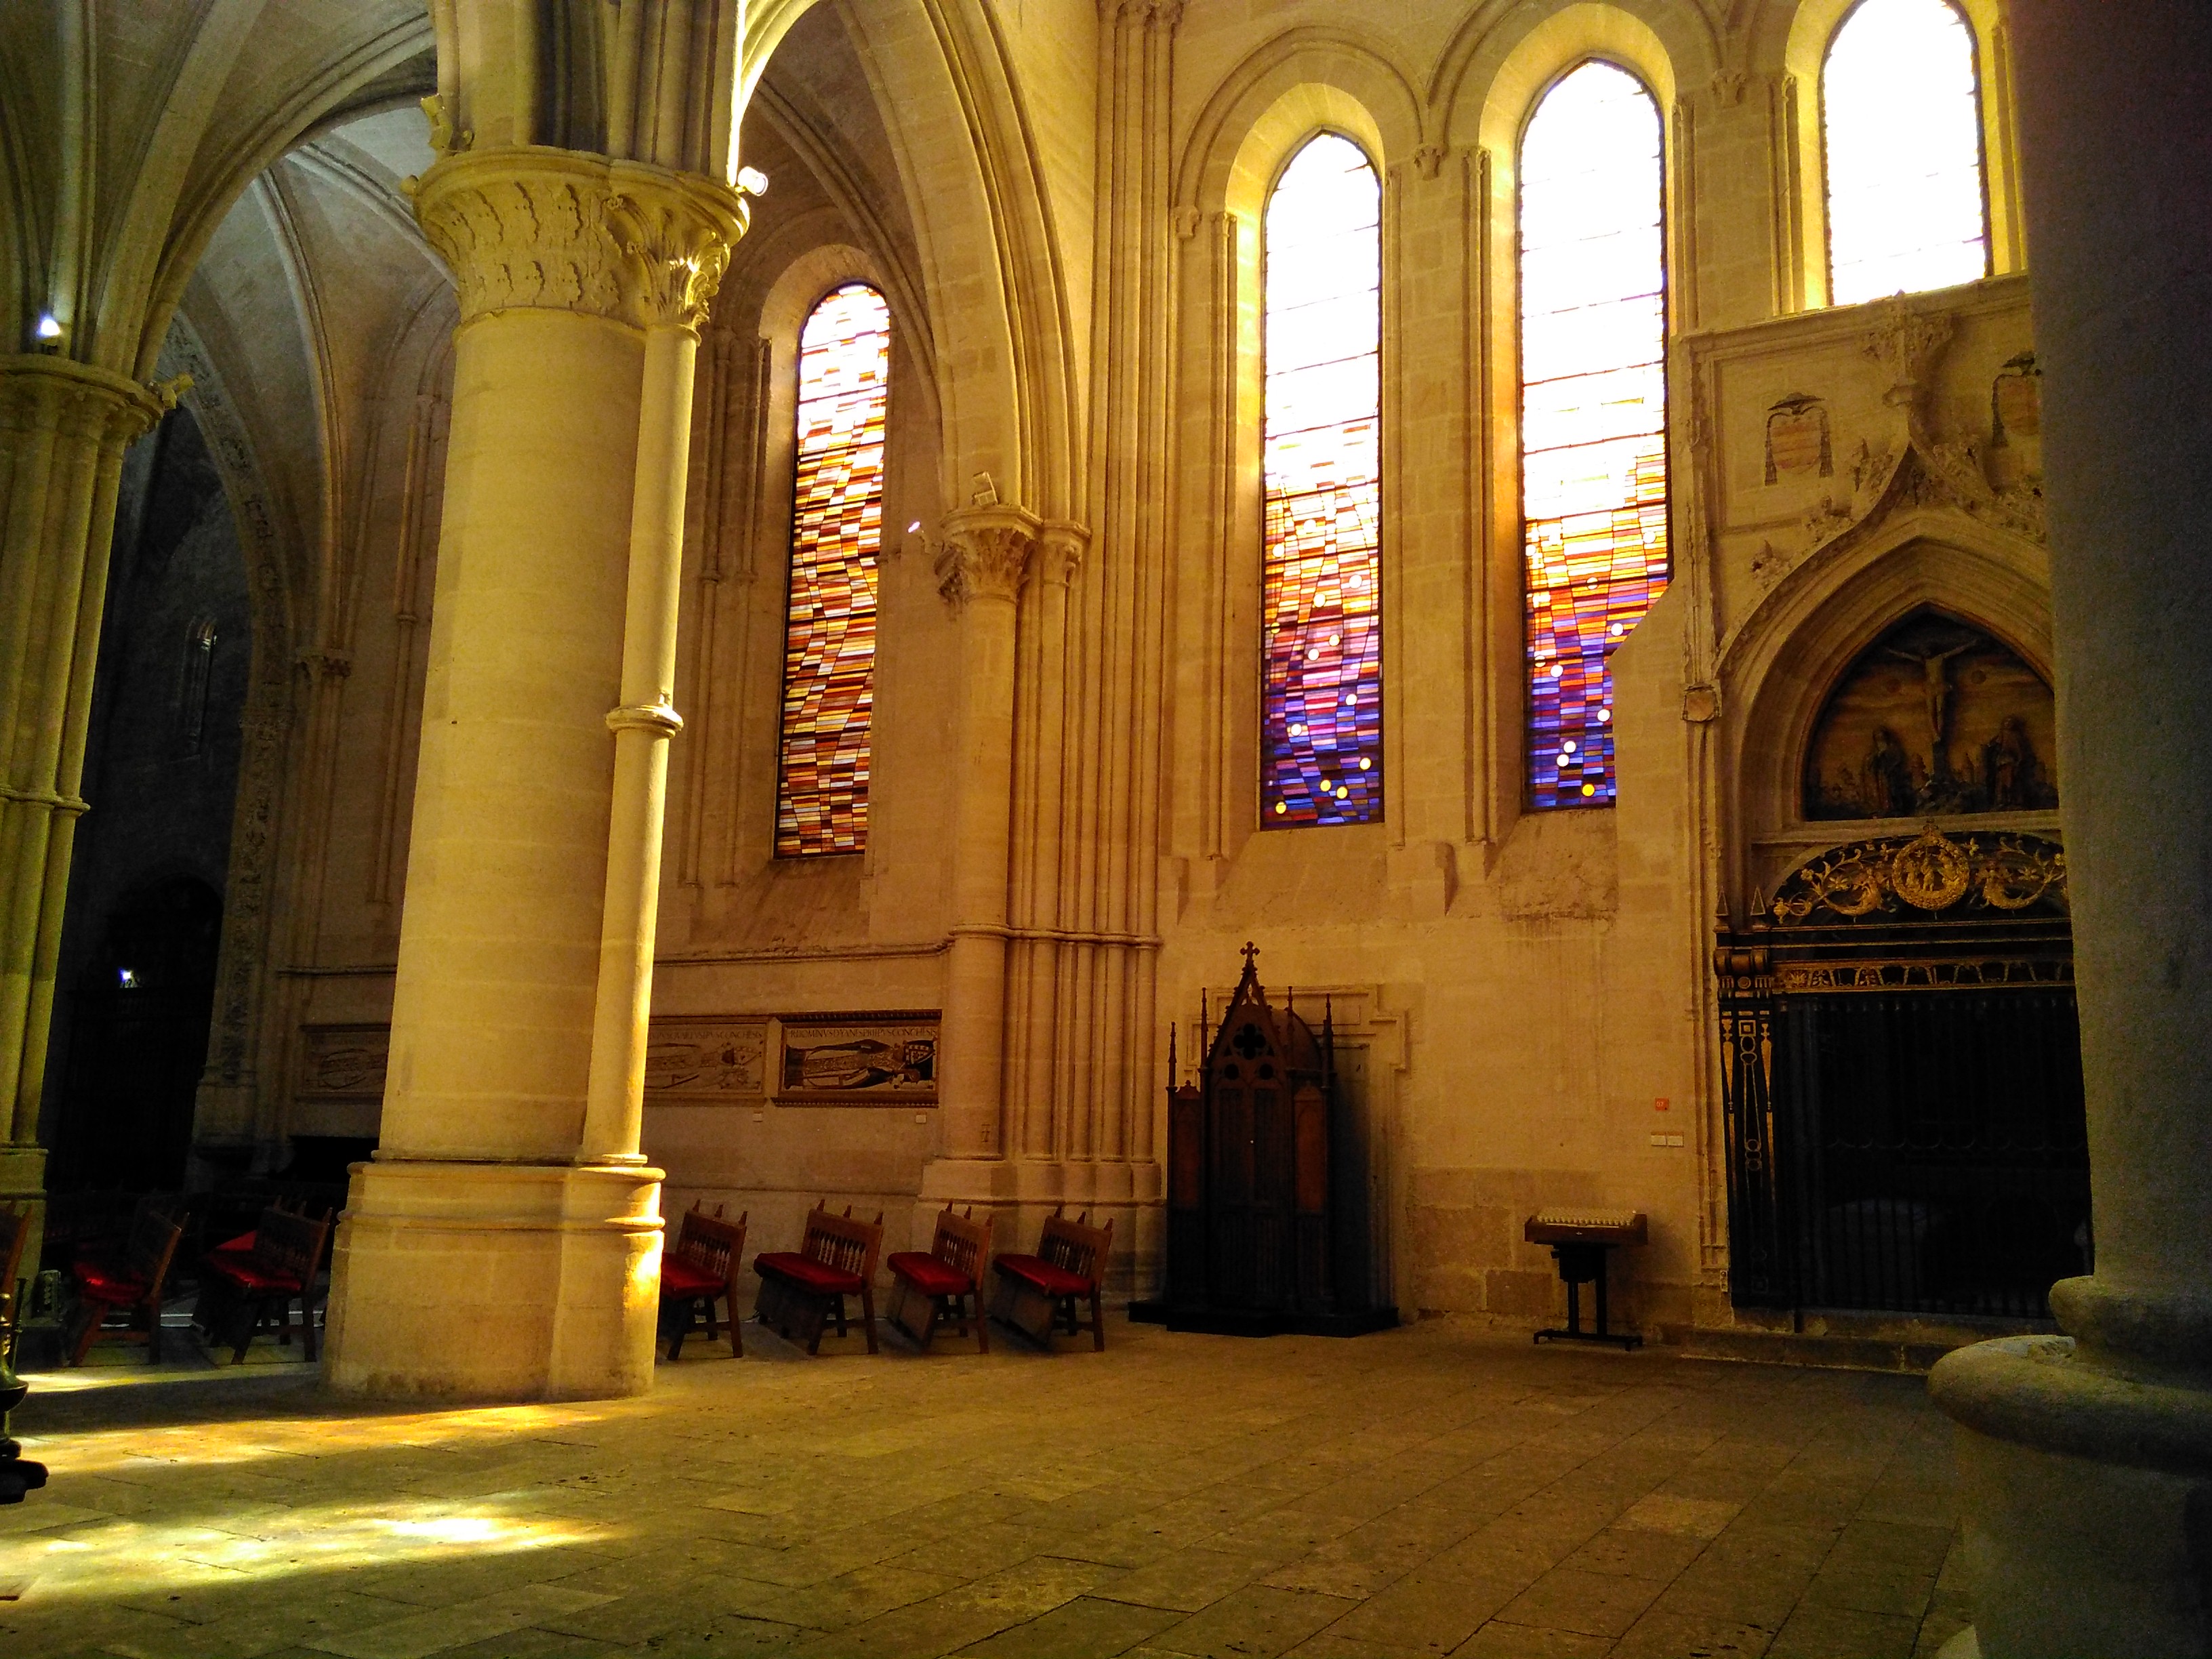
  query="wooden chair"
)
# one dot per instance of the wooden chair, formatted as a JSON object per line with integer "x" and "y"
{"x": 934, "y": 1290}
{"x": 250, "y": 1283}
{"x": 802, "y": 1291}
{"x": 1034, "y": 1293}
{"x": 15, "y": 1235}
{"x": 133, "y": 1281}
{"x": 702, "y": 1270}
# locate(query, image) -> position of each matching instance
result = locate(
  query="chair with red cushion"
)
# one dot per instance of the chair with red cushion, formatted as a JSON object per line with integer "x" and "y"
{"x": 249, "y": 1284}
{"x": 934, "y": 1290}
{"x": 1036, "y": 1294}
{"x": 131, "y": 1283}
{"x": 803, "y": 1290}
{"x": 701, "y": 1271}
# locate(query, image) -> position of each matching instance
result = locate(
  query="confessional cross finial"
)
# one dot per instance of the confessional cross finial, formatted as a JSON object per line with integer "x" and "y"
{"x": 1251, "y": 955}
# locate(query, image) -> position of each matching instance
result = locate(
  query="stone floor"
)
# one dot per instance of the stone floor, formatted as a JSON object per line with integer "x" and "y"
{"x": 1436, "y": 1490}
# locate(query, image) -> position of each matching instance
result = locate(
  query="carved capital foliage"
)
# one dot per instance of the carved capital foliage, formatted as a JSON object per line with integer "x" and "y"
{"x": 551, "y": 229}
{"x": 986, "y": 554}
{"x": 71, "y": 399}
{"x": 1060, "y": 548}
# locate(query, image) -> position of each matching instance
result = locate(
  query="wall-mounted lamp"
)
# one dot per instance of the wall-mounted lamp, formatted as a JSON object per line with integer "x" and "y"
{"x": 48, "y": 331}
{"x": 751, "y": 181}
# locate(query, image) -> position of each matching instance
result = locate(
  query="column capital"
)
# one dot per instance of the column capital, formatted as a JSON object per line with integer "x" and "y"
{"x": 1061, "y": 544}
{"x": 531, "y": 228}
{"x": 61, "y": 394}
{"x": 986, "y": 554}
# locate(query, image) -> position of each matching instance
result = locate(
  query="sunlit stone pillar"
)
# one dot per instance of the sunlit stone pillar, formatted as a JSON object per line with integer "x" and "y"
{"x": 504, "y": 1242}
{"x": 985, "y": 561}
{"x": 2088, "y": 1459}
{"x": 63, "y": 427}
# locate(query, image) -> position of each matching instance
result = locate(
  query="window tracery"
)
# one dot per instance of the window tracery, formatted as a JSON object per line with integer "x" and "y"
{"x": 1321, "y": 584}
{"x": 836, "y": 533}
{"x": 1901, "y": 127}
{"x": 1593, "y": 413}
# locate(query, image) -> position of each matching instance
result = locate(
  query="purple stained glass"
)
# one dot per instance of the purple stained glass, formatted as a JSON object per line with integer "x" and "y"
{"x": 1320, "y": 574}
{"x": 1593, "y": 414}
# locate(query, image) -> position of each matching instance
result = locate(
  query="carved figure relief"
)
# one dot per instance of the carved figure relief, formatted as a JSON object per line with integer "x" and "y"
{"x": 1797, "y": 444}
{"x": 706, "y": 1061}
{"x": 2016, "y": 423}
{"x": 1936, "y": 718}
{"x": 857, "y": 1060}
{"x": 1930, "y": 872}
{"x": 343, "y": 1062}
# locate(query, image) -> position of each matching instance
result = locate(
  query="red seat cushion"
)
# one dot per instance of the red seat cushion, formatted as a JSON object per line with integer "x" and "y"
{"x": 807, "y": 1274}
{"x": 929, "y": 1275}
{"x": 250, "y": 1276}
{"x": 688, "y": 1279}
{"x": 99, "y": 1282}
{"x": 1035, "y": 1270}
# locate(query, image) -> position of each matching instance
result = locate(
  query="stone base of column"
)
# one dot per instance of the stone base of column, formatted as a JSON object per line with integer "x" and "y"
{"x": 2087, "y": 1498}
{"x": 459, "y": 1282}
{"x": 1020, "y": 1192}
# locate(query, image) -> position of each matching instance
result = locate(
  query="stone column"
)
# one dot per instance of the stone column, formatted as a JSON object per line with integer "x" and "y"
{"x": 2088, "y": 1458}
{"x": 504, "y": 1242}
{"x": 63, "y": 426}
{"x": 985, "y": 561}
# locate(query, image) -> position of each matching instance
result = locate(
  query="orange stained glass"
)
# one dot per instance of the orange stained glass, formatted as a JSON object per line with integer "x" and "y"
{"x": 1901, "y": 121}
{"x": 836, "y": 531}
{"x": 1321, "y": 569}
{"x": 1593, "y": 414}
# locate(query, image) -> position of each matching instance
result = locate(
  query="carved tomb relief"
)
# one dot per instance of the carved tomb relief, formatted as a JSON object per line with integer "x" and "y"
{"x": 1934, "y": 718}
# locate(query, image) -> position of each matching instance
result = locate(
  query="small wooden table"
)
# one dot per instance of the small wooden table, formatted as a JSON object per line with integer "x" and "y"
{"x": 1579, "y": 1240}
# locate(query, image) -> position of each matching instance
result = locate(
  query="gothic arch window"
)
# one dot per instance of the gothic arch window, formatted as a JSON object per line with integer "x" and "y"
{"x": 1320, "y": 582}
{"x": 829, "y": 618}
{"x": 1901, "y": 131}
{"x": 1593, "y": 413}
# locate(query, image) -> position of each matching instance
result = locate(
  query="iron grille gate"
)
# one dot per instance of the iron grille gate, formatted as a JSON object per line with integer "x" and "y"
{"x": 1903, "y": 1086}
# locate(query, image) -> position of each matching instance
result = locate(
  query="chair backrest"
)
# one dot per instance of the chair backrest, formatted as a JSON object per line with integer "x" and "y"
{"x": 841, "y": 1242}
{"x": 1075, "y": 1246}
{"x": 154, "y": 1235}
{"x": 709, "y": 1242}
{"x": 289, "y": 1242}
{"x": 963, "y": 1242}
{"x": 15, "y": 1234}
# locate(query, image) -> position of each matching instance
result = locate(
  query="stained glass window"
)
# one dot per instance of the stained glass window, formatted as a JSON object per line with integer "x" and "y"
{"x": 837, "y": 526}
{"x": 1321, "y": 576}
{"x": 1903, "y": 129}
{"x": 1593, "y": 413}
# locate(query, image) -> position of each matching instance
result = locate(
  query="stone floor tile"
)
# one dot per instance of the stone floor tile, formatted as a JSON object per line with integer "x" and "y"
{"x": 1086, "y": 1628}
{"x": 1187, "y": 1580}
{"x": 441, "y": 1629}
{"x": 1253, "y": 1623}
{"x": 1594, "y": 1603}
{"x": 1866, "y": 1590}
{"x": 1637, "y": 1552}
{"x": 1499, "y": 1639}
{"x": 849, "y": 1598}
{"x": 1663, "y": 1635}
{"x": 1421, "y": 1613}
{"x": 1819, "y": 1632}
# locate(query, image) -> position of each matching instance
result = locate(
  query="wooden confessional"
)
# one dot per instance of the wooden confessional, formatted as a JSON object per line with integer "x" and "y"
{"x": 1267, "y": 1218}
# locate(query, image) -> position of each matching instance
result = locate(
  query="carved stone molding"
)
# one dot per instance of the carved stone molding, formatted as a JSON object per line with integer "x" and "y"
{"x": 1908, "y": 343}
{"x": 986, "y": 555}
{"x": 551, "y": 229}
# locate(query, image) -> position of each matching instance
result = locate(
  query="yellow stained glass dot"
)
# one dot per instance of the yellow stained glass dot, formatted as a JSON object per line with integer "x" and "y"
{"x": 1589, "y": 789}
{"x": 1282, "y": 808}
{"x": 1366, "y": 765}
{"x": 1343, "y": 793}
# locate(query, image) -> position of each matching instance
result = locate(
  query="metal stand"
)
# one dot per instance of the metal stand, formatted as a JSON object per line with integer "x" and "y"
{"x": 1580, "y": 1265}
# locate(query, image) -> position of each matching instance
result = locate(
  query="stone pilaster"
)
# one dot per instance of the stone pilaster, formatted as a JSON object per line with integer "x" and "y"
{"x": 2087, "y": 1458}
{"x": 981, "y": 568}
{"x": 63, "y": 427}
{"x": 504, "y": 1241}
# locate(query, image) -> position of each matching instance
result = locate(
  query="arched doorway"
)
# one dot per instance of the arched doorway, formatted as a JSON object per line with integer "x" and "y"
{"x": 139, "y": 1041}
